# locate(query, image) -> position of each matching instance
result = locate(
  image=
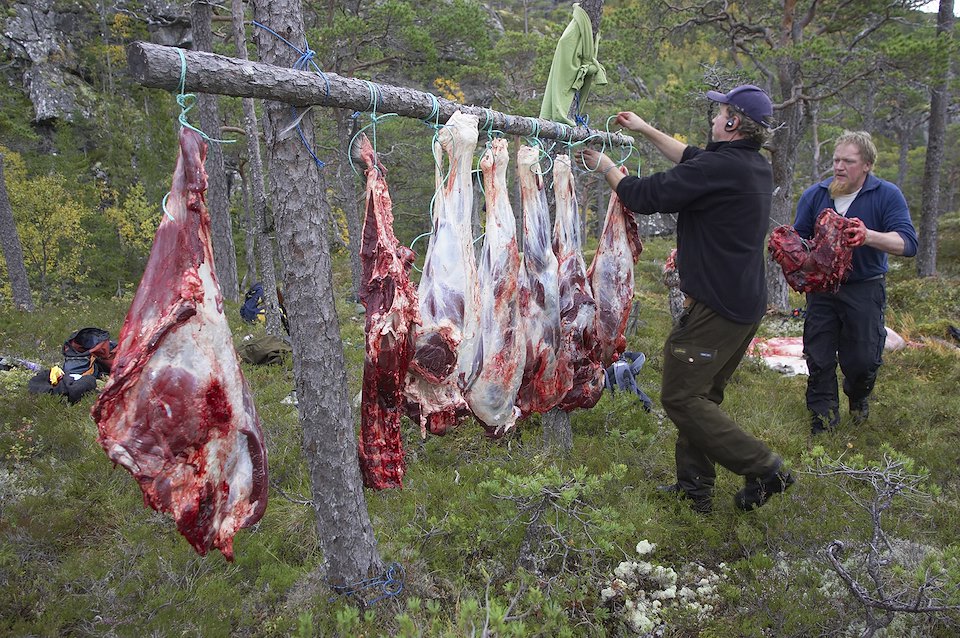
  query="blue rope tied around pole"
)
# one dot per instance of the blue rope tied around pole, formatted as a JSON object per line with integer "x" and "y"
{"x": 305, "y": 60}
{"x": 390, "y": 584}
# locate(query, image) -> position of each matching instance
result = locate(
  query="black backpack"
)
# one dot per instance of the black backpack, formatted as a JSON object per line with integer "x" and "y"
{"x": 88, "y": 351}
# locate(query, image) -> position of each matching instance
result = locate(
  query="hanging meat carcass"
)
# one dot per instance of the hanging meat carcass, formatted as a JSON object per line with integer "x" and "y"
{"x": 391, "y": 318}
{"x": 449, "y": 298}
{"x": 611, "y": 277}
{"x": 819, "y": 264}
{"x": 578, "y": 310}
{"x": 176, "y": 411}
{"x": 547, "y": 374}
{"x": 500, "y": 350}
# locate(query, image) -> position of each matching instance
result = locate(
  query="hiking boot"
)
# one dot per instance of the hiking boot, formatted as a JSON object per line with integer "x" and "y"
{"x": 820, "y": 423}
{"x": 758, "y": 490}
{"x": 859, "y": 410}
{"x": 698, "y": 503}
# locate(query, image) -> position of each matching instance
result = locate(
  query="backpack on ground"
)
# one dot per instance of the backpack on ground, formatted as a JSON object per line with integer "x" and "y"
{"x": 88, "y": 351}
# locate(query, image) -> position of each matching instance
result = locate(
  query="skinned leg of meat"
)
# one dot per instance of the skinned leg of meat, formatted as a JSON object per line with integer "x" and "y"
{"x": 547, "y": 374}
{"x": 611, "y": 278}
{"x": 449, "y": 299}
{"x": 578, "y": 310}
{"x": 500, "y": 351}
{"x": 391, "y": 318}
{"x": 820, "y": 264}
{"x": 176, "y": 411}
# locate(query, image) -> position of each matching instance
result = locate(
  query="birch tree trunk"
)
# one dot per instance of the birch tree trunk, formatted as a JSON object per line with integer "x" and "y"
{"x": 224, "y": 253}
{"x": 329, "y": 440}
{"x": 939, "y": 98}
{"x": 263, "y": 241}
{"x": 12, "y": 251}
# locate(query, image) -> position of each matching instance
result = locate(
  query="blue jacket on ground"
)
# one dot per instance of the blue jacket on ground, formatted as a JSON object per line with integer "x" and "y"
{"x": 879, "y": 205}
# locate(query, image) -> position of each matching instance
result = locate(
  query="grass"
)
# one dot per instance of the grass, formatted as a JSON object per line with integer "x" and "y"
{"x": 80, "y": 555}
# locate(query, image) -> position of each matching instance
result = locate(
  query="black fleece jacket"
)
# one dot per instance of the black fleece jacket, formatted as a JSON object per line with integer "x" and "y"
{"x": 723, "y": 196}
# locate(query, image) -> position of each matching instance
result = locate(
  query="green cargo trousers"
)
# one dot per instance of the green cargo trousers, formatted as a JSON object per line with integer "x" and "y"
{"x": 699, "y": 357}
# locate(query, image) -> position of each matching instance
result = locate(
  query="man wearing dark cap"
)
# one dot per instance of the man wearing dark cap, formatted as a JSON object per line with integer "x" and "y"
{"x": 723, "y": 196}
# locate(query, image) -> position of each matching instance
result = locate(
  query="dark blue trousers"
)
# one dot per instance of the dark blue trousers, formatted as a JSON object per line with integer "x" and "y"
{"x": 846, "y": 327}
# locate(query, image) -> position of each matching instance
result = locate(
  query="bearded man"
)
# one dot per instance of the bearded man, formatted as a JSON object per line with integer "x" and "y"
{"x": 847, "y": 326}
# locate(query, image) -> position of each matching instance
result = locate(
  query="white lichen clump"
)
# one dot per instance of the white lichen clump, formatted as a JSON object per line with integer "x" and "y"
{"x": 643, "y": 592}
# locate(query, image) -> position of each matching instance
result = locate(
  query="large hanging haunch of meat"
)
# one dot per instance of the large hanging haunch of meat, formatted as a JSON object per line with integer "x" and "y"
{"x": 500, "y": 350}
{"x": 390, "y": 300}
{"x": 819, "y": 264}
{"x": 611, "y": 278}
{"x": 547, "y": 374}
{"x": 578, "y": 310}
{"x": 176, "y": 411}
{"x": 449, "y": 298}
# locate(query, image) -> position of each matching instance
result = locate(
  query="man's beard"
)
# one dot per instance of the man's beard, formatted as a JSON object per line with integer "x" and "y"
{"x": 840, "y": 188}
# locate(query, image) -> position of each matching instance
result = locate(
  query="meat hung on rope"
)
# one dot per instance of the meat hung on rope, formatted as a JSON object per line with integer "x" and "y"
{"x": 500, "y": 350}
{"x": 547, "y": 375}
{"x": 578, "y": 310}
{"x": 391, "y": 315}
{"x": 449, "y": 298}
{"x": 611, "y": 277}
{"x": 819, "y": 264}
{"x": 176, "y": 411}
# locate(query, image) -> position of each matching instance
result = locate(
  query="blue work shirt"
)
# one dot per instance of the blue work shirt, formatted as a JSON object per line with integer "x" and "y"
{"x": 879, "y": 205}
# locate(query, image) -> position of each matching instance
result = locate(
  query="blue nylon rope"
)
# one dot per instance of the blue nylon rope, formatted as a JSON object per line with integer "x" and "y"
{"x": 305, "y": 60}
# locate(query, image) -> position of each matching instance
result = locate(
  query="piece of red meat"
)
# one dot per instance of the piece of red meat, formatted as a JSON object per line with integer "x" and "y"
{"x": 176, "y": 411}
{"x": 391, "y": 302}
{"x": 611, "y": 277}
{"x": 820, "y": 264}
{"x": 578, "y": 310}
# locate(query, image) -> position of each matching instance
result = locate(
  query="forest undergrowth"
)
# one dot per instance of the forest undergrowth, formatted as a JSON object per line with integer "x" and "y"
{"x": 506, "y": 538}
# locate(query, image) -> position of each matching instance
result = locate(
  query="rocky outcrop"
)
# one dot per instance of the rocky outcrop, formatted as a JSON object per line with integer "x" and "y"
{"x": 44, "y": 39}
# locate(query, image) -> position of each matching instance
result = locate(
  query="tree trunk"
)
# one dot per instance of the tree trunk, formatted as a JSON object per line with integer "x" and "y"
{"x": 557, "y": 432}
{"x": 249, "y": 241}
{"x": 262, "y": 223}
{"x": 349, "y": 202}
{"x": 221, "y": 228}
{"x": 329, "y": 439}
{"x": 784, "y": 161}
{"x": 903, "y": 138}
{"x": 12, "y": 251}
{"x": 939, "y": 98}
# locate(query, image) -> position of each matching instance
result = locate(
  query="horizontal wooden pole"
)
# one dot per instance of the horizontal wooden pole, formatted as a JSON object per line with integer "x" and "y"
{"x": 158, "y": 66}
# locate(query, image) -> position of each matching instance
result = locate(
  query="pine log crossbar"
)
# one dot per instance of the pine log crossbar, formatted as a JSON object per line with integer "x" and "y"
{"x": 159, "y": 67}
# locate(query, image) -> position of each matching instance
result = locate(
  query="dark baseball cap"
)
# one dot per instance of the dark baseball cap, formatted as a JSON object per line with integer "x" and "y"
{"x": 750, "y": 99}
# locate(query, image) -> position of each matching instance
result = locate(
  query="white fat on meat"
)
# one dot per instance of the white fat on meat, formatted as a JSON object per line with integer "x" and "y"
{"x": 449, "y": 298}
{"x": 500, "y": 349}
{"x": 547, "y": 373}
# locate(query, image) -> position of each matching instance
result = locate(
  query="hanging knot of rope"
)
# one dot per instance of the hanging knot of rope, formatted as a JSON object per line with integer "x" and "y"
{"x": 186, "y": 101}
{"x": 386, "y": 585}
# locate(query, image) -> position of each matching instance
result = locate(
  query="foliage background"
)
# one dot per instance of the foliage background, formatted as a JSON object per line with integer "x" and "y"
{"x": 79, "y": 555}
